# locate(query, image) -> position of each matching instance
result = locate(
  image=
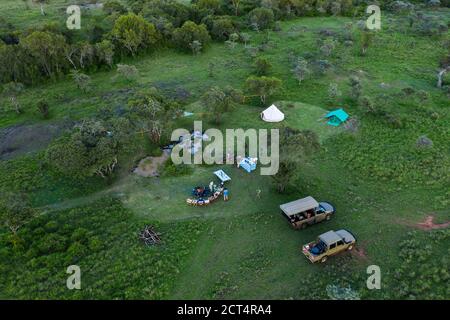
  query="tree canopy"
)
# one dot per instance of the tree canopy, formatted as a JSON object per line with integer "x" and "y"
{"x": 132, "y": 33}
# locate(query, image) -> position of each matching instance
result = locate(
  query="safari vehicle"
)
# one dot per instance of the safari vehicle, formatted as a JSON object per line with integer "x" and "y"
{"x": 307, "y": 211}
{"x": 328, "y": 244}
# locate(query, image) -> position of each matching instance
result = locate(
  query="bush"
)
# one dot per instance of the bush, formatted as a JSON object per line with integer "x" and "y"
{"x": 80, "y": 235}
{"x": 76, "y": 251}
{"x": 212, "y": 6}
{"x": 129, "y": 72}
{"x": 263, "y": 86}
{"x": 51, "y": 226}
{"x": 95, "y": 244}
{"x": 173, "y": 170}
{"x": 132, "y": 34}
{"x": 263, "y": 66}
{"x": 222, "y": 28}
{"x": 43, "y": 108}
{"x": 261, "y": 18}
{"x": 114, "y": 6}
{"x": 51, "y": 243}
{"x": 183, "y": 37}
{"x": 424, "y": 141}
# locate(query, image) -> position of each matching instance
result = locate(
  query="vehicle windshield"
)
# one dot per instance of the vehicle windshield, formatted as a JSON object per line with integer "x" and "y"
{"x": 323, "y": 206}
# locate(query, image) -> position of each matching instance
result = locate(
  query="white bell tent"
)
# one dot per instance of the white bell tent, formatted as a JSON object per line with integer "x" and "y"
{"x": 272, "y": 114}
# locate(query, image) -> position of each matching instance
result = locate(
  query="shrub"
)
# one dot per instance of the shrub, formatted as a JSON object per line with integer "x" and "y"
{"x": 333, "y": 92}
{"x": 196, "y": 47}
{"x": 301, "y": 70}
{"x": 43, "y": 108}
{"x": 222, "y": 28}
{"x": 212, "y": 6}
{"x": 76, "y": 251}
{"x": 190, "y": 31}
{"x": 51, "y": 243}
{"x": 424, "y": 141}
{"x": 95, "y": 244}
{"x": 356, "y": 87}
{"x": 114, "y": 6}
{"x": 173, "y": 170}
{"x": 128, "y": 72}
{"x": 261, "y": 18}
{"x": 131, "y": 34}
{"x": 336, "y": 292}
{"x": 263, "y": 86}
{"x": 263, "y": 66}
{"x": 80, "y": 235}
{"x": 82, "y": 81}
{"x": 51, "y": 226}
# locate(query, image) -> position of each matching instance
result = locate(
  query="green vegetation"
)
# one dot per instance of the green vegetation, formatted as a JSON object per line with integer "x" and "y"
{"x": 119, "y": 86}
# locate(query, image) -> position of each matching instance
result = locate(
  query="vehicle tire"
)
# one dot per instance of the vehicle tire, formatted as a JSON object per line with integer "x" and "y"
{"x": 328, "y": 217}
{"x": 350, "y": 247}
{"x": 324, "y": 259}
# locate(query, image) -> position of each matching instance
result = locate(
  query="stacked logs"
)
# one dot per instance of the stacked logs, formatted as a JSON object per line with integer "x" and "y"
{"x": 149, "y": 236}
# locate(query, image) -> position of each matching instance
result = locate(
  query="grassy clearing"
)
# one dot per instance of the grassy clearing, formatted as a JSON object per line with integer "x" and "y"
{"x": 28, "y": 17}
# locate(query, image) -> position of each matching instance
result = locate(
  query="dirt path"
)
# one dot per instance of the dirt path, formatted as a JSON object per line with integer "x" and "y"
{"x": 116, "y": 189}
{"x": 149, "y": 166}
{"x": 123, "y": 186}
{"x": 427, "y": 224}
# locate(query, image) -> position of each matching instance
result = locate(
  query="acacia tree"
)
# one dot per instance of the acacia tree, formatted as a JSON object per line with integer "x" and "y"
{"x": 86, "y": 55}
{"x": 356, "y": 87}
{"x": 104, "y": 51}
{"x": 333, "y": 92}
{"x": 218, "y": 102}
{"x": 262, "y": 87}
{"x": 236, "y": 4}
{"x": 83, "y": 81}
{"x": 444, "y": 68}
{"x": 11, "y": 91}
{"x": 48, "y": 50}
{"x": 262, "y": 18}
{"x": 196, "y": 47}
{"x": 188, "y": 33}
{"x": 213, "y": 6}
{"x": 43, "y": 108}
{"x": 15, "y": 211}
{"x": 27, "y": 6}
{"x": 296, "y": 146}
{"x": 92, "y": 148}
{"x": 245, "y": 38}
{"x": 132, "y": 33}
{"x": 81, "y": 55}
{"x": 129, "y": 72}
{"x": 301, "y": 70}
{"x": 41, "y": 4}
{"x": 153, "y": 113}
{"x": 263, "y": 66}
{"x": 366, "y": 41}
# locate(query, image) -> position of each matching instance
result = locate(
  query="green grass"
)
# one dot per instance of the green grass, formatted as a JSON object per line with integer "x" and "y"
{"x": 378, "y": 180}
{"x": 24, "y": 17}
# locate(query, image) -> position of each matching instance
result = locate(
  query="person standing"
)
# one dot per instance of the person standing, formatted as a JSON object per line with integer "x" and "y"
{"x": 225, "y": 194}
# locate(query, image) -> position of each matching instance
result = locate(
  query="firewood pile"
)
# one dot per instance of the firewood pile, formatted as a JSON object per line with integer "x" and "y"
{"x": 149, "y": 236}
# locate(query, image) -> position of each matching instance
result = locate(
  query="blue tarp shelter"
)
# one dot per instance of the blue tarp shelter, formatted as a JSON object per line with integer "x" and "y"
{"x": 247, "y": 164}
{"x": 222, "y": 175}
{"x": 336, "y": 117}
